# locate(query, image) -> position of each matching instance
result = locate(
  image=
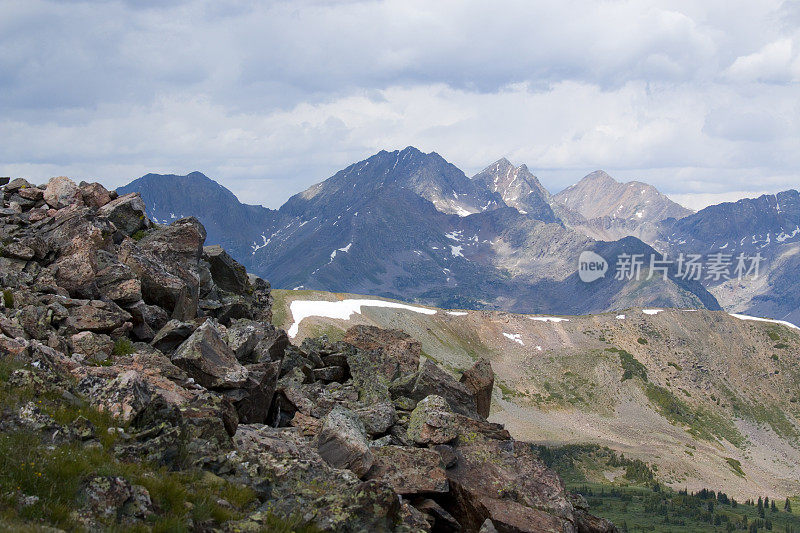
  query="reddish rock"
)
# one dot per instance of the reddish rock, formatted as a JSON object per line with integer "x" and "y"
{"x": 61, "y": 192}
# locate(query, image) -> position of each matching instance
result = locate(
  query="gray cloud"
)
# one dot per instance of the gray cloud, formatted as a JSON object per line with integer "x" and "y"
{"x": 269, "y": 97}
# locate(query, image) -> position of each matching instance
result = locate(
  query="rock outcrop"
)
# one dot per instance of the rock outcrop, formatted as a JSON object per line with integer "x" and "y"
{"x": 173, "y": 342}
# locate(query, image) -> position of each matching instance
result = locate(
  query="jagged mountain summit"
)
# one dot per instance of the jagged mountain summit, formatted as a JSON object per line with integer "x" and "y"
{"x": 518, "y": 188}
{"x": 428, "y": 176}
{"x": 411, "y": 226}
{"x": 144, "y": 387}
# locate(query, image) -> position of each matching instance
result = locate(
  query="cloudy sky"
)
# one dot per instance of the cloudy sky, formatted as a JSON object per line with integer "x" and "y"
{"x": 701, "y": 99}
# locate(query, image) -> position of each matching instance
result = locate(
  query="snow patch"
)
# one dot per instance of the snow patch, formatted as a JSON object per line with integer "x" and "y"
{"x": 651, "y": 311}
{"x": 457, "y": 313}
{"x": 757, "y": 319}
{"x": 620, "y": 317}
{"x": 516, "y": 337}
{"x": 342, "y": 309}
{"x": 456, "y": 251}
{"x": 344, "y": 249}
{"x": 548, "y": 319}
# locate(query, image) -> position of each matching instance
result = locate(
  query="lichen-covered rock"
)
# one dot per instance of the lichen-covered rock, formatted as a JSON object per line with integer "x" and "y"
{"x": 172, "y": 334}
{"x": 342, "y": 442}
{"x": 98, "y": 316}
{"x": 93, "y": 345}
{"x": 432, "y": 422}
{"x": 207, "y": 359}
{"x": 479, "y": 380}
{"x": 409, "y": 470}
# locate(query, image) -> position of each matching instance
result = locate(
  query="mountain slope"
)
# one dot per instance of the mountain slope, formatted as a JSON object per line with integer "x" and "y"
{"x": 690, "y": 392}
{"x": 769, "y": 226}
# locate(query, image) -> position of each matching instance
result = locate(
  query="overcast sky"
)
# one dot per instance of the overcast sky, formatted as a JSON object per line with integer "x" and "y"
{"x": 701, "y": 99}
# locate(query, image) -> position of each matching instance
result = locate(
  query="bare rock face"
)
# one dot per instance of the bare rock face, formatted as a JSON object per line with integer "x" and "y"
{"x": 342, "y": 442}
{"x": 61, "y": 192}
{"x": 479, "y": 380}
{"x": 209, "y": 361}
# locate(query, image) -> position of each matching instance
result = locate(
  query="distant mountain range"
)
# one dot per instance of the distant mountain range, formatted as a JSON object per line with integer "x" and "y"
{"x": 411, "y": 226}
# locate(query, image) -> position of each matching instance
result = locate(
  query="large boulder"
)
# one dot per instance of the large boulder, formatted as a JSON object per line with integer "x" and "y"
{"x": 209, "y": 361}
{"x": 225, "y": 271}
{"x": 94, "y": 195}
{"x": 61, "y": 192}
{"x": 479, "y": 380}
{"x": 128, "y": 213}
{"x": 342, "y": 442}
{"x": 433, "y": 380}
{"x": 172, "y": 334}
{"x": 254, "y": 399}
{"x": 98, "y": 315}
{"x": 432, "y": 422}
{"x": 400, "y": 352}
{"x": 409, "y": 470}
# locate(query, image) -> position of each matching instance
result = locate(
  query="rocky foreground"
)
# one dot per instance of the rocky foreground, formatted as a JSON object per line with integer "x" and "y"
{"x": 131, "y": 344}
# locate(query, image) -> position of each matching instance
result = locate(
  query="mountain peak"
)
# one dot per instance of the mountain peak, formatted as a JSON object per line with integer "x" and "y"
{"x": 598, "y": 195}
{"x": 518, "y": 188}
{"x": 598, "y": 176}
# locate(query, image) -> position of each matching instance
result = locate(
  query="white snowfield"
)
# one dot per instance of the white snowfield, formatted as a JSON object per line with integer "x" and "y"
{"x": 342, "y": 309}
{"x": 757, "y": 319}
{"x": 651, "y": 311}
{"x": 457, "y": 313}
{"x": 548, "y": 319}
{"x": 516, "y": 337}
